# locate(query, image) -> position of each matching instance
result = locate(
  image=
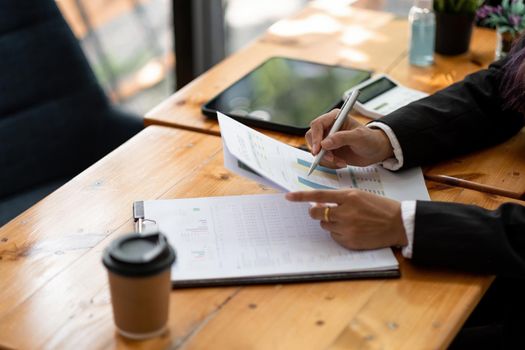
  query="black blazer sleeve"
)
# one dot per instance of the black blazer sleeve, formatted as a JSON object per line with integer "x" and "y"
{"x": 464, "y": 117}
{"x": 470, "y": 238}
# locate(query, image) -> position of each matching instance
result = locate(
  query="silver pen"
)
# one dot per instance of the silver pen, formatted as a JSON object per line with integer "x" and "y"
{"x": 338, "y": 123}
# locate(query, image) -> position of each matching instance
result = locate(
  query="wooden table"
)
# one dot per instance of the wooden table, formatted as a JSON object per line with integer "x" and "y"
{"x": 446, "y": 70}
{"x": 500, "y": 169}
{"x": 365, "y": 39}
{"x": 54, "y": 291}
{"x": 343, "y": 35}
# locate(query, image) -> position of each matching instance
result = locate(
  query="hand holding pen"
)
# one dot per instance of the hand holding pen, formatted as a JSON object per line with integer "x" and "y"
{"x": 353, "y": 144}
{"x": 338, "y": 123}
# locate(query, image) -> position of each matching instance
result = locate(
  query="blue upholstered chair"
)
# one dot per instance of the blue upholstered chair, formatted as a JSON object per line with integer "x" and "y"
{"x": 55, "y": 120}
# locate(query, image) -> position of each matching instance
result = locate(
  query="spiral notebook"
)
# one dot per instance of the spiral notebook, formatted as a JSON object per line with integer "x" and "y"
{"x": 254, "y": 239}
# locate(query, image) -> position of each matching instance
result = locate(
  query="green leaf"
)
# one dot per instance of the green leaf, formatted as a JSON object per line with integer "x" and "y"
{"x": 505, "y": 28}
{"x": 505, "y": 4}
{"x": 495, "y": 21}
{"x": 439, "y": 5}
{"x": 514, "y": 7}
{"x": 457, "y": 6}
{"x": 518, "y": 7}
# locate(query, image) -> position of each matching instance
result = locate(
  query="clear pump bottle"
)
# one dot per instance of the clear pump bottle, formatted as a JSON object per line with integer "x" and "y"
{"x": 422, "y": 33}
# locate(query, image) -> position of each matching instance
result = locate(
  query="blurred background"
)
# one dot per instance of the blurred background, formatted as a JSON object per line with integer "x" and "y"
{"x": 131, "y": 43}
{"x": 143, "y": 50}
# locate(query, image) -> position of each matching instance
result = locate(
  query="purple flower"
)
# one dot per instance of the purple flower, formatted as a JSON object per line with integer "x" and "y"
{"x": 508, "y": 17}
{"x": 514, "y": 20}
{"x": 485, "y": 11}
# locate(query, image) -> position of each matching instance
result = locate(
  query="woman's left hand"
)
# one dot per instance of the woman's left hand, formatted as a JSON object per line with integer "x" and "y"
{"x": 360, "y": 220}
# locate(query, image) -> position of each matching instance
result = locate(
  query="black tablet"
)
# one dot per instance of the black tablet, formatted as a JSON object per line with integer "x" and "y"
{"x": 285, "y": 94}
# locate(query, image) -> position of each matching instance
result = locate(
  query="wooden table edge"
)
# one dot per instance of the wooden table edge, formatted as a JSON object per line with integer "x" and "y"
{"x": 458, "y": 182}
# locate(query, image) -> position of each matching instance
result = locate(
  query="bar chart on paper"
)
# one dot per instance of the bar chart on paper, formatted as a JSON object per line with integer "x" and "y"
{"x": 284, "y": 167}
{"x": 366, "y": 179}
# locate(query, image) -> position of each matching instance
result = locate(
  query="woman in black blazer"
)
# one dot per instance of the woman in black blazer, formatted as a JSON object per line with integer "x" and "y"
{"x": 484, "y": 109}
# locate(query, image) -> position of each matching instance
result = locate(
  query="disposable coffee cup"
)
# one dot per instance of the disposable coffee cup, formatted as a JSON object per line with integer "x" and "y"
{"x": 139, "y": 271}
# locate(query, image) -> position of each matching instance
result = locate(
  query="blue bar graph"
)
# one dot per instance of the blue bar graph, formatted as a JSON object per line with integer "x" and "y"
{"x": 319, "y": 168}
{"x": 315, "y": 185}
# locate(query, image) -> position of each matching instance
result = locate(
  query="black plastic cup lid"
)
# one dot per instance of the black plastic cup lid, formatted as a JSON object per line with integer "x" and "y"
{"x": 139, "y": 255}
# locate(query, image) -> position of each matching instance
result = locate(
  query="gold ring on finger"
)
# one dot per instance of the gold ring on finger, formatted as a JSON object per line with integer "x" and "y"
{"x": 327, "y": 214}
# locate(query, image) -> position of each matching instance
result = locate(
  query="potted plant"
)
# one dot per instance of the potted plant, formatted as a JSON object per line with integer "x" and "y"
{"x": 454, "y": 22}
{"x": 509, "y": 21}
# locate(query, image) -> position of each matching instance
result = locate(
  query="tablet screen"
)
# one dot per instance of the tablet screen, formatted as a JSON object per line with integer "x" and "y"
{"x": 285, "y": 94}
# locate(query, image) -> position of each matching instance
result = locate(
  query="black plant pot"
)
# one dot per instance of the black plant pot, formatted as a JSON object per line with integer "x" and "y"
{"x": 453, "y": 32}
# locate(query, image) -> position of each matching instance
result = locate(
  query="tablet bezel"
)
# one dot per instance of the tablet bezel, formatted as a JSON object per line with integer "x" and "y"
{"x": 258, "y": 123}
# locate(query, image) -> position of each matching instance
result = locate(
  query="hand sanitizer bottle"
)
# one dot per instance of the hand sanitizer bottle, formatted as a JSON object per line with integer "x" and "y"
{"x": 422, "y": 33}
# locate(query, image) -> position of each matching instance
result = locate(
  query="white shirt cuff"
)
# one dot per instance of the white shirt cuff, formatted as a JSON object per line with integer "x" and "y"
{"x": 408, "y": 214}
{"x": 390, "y": 163}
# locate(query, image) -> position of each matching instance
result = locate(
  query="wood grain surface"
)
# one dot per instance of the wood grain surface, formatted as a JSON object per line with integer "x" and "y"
{"x": 365, "y": 39}
{"x": 339, "y": 35}
{"x": 447, "y": 70}
{"x": 500, "y": 169}
{"x": 54, "y": 288}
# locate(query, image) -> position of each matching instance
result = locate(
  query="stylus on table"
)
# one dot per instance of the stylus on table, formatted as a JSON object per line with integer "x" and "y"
{"x": 338, "y": 123}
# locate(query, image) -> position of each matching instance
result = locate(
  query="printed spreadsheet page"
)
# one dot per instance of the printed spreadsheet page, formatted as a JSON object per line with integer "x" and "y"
{"x": 253, "y": 236}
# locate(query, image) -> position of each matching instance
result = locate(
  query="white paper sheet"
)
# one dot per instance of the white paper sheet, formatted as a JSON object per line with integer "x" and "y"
{"x": 287, "y": 167}
{"x": 257, "y": 235}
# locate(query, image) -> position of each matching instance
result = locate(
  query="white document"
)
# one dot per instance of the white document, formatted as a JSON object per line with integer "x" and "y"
{"x": 261, "y": 158}
{"x": 226, "y": 238}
